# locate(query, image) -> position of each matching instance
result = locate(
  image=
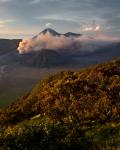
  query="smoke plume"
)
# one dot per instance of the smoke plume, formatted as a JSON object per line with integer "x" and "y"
{"x": 62, "y": 43}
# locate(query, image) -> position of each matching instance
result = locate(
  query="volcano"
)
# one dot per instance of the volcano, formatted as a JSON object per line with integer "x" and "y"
{"x": 51, "y": 49}
{"x": 48, "y": 31}
{"x": 71, "y": 34}
{"x": 55, "y": 33}
{"x": 45, "y": 58}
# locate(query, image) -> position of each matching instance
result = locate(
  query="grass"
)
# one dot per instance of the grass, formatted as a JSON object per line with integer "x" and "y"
{"x": 107, "y": 135}
{"x": 103, "y": 137}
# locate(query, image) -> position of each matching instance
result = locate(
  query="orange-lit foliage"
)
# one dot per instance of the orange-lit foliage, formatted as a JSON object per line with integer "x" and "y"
{"x": 90, "y": 94}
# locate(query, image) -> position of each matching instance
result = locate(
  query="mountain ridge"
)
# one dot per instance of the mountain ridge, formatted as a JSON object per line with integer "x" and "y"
{"x": 57, "y": 34}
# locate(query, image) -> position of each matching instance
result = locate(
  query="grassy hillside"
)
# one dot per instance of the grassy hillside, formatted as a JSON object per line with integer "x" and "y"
{"x": 69, "y": 110}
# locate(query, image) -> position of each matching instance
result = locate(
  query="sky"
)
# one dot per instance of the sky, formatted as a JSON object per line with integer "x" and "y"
{"x": 25, "y": 18}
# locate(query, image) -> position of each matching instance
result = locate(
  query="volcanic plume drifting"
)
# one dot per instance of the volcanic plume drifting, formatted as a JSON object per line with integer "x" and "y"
{"x": 49, "y": 39}
{"x": 46, "y": 42}
{"x": 69, "y": 42}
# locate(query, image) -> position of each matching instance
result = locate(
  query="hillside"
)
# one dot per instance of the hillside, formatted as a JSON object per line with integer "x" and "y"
{"x": 78, "y": 110}
{"x": 45, "y": 58}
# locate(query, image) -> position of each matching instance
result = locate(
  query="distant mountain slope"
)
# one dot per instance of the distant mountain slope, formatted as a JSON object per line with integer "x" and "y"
{"x": 51, "y": 31}
{"x": 70, "y": 34}
{"x": 7, "y": 45}
{"x": 45, "y": 58}
{"x": 54, "y": 33}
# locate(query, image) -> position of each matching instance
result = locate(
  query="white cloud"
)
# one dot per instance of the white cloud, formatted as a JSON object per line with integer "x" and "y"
{"x": 48, "y": 24}
{"x": 91, "y": 28}
{"x": 97, "y": 28}
{"x": 88, "y": 29}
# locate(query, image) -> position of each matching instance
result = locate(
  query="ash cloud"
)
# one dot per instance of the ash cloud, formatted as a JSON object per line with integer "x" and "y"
{"x": 64, "y": 44}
